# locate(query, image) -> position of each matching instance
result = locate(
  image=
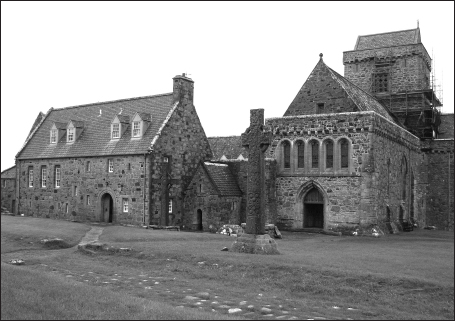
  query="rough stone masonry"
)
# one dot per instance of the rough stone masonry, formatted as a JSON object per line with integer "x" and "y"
{"x": 257, "y": 142}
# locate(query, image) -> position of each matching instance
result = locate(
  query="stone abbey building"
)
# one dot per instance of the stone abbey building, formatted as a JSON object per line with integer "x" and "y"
{"x": 364, "y": 149}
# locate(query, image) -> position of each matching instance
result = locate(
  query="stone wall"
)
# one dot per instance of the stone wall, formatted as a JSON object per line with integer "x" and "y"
{"x": 320, "y": 87}
{"x": 8, "y": 193}
{"x": 359, "y": 194}
{"x": 184, "y": 143}
{"x": 405, "y": 73}
{"x": 341, "y": 187}
{"x": 125, "y": 182}
{"x": 440, "y": 197}
{"x": 239, "y": 171}
{"x": 410, "y": 75}
{"x": 216, "y": 209}
{"x": 397, "y": 181}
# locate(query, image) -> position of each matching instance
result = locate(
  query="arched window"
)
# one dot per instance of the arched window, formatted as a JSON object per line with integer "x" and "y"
{"x": 344, "y": 152}
{"x": 314, "y": 154}
{"x": 300, "y": 154}
{"x": 287, "y": 154}
{"x": 329, "y": 154}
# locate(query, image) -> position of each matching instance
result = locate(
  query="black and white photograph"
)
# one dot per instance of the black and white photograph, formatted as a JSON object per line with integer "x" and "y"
{"x": 213, "y": 160}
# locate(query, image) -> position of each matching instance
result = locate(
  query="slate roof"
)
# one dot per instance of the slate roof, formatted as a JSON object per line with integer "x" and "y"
{"x": 388, "y": 39}
{"x": 363, "y": 100}
{"x": 229, "y": 146}
{"x": 36, "y": 123}
{"x": 223, "y": 179}
{"x": 123, "y": 118}
{"x": 9, "y": 173}
{"x": 446, "y": 127}
{"x": 95, "y": 138}
{"x": 60, "y": 125}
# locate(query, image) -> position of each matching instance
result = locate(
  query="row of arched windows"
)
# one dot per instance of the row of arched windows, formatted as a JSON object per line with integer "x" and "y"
{"x": 314, "y": 155}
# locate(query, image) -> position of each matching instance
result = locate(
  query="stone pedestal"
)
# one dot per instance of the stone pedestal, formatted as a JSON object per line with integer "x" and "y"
{"x": 255, "y": 244}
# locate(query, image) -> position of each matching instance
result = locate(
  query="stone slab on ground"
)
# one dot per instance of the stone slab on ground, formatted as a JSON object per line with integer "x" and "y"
{"x": 255, "y": 244}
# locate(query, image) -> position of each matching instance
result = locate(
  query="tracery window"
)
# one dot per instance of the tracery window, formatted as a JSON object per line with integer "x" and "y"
{"x": 300, "y": 154}
{"x": 329, "y": 154}
{"x": 344, "y": 151}
{"x": 314, "y": 154}
{"x": 287, "y": 154}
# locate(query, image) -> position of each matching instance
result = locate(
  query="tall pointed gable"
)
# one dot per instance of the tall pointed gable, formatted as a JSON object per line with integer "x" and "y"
{"x": 325, "y": 91}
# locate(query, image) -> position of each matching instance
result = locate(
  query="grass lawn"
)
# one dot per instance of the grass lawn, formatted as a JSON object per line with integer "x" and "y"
{"x": 404, "y": 276}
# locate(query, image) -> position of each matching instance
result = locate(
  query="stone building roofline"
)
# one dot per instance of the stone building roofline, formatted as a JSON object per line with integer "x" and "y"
{"x": 9, "y": 173}
{"x": 367, "y": 112}
{"x": 410, "y": 36}
{"x": 113, "y": 101}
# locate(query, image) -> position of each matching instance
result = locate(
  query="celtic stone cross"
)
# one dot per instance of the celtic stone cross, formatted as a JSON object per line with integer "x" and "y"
{"x": 257, "y": 141}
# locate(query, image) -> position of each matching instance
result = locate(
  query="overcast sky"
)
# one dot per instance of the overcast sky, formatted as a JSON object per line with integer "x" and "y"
{"x": 240, "y": 55}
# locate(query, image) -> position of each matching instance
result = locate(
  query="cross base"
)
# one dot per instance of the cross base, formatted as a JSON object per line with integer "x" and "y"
{"x": 254, "y": 244}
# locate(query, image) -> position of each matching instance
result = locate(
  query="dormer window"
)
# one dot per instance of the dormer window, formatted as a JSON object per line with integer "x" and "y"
{"x": 136, "y": 129}
{"x": 70, "y": 137}
{"x": 115, "y": 131}
{"x": 119, "y": 125}
{"x": 53, "y": 136}
{"x": 140, "y": 124}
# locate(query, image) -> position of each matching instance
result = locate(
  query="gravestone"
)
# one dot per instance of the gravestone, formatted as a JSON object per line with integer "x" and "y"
{"x": 255, "y": 240}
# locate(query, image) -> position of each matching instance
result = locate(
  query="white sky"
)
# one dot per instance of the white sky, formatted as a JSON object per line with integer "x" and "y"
{"x": 241, "y": 55}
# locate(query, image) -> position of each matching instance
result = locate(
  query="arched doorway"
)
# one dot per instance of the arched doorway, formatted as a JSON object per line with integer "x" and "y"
{"x": 107, "y": 208}
{"x": 313, "y": 209}
{"x": 199, "y": 220}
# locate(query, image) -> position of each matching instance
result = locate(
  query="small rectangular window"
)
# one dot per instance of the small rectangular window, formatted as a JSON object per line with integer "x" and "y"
{"x": 70, "y": 135}
{"x": 136, "y": 129}
{"x": 74, "y": 190}
{"x": 88, "y": 199}
{"x": 125, "y": 205}
{"x": 87, "y": 166}
{"x": 111, "y": 165}
{"x": 43, "y": 177}
{"x": 57, "y": 176}
{"x": 320, "y": 108}
{"x": 115, "y": 130}
{"x": 165, "y": 159}
{"x": 53, "y": 136}
{"x": 381, "y": 82}
{"x": 170, "y": 206}
{"x": 67, "y": 208}
{"x": 30, "y": 177}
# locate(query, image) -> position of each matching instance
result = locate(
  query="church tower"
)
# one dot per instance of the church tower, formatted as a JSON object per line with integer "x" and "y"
{"x": 395, "y": 67}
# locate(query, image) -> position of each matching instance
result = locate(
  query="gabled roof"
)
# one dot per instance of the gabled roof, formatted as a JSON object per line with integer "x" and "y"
{"x": 145, "y": 116}
{"x": 446, "y": 127}
{"x": 229, "y": 146}
{"x": 324, "y": 81}
{"x": 9, "y": 173}
{"x": 388, "y": 39}
{"x": 123, "y": 118}
{"x": 36, "y": 123}
{"x": 60, "y": 125}
{"x": 222, "y": 178}
{"x": 77, "y": 123}
{"x": 97, "y": 118}
{"x": 363, "y": 100}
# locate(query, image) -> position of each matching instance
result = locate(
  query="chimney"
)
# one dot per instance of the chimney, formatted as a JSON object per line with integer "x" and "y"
{"x": 183, "y": 89}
